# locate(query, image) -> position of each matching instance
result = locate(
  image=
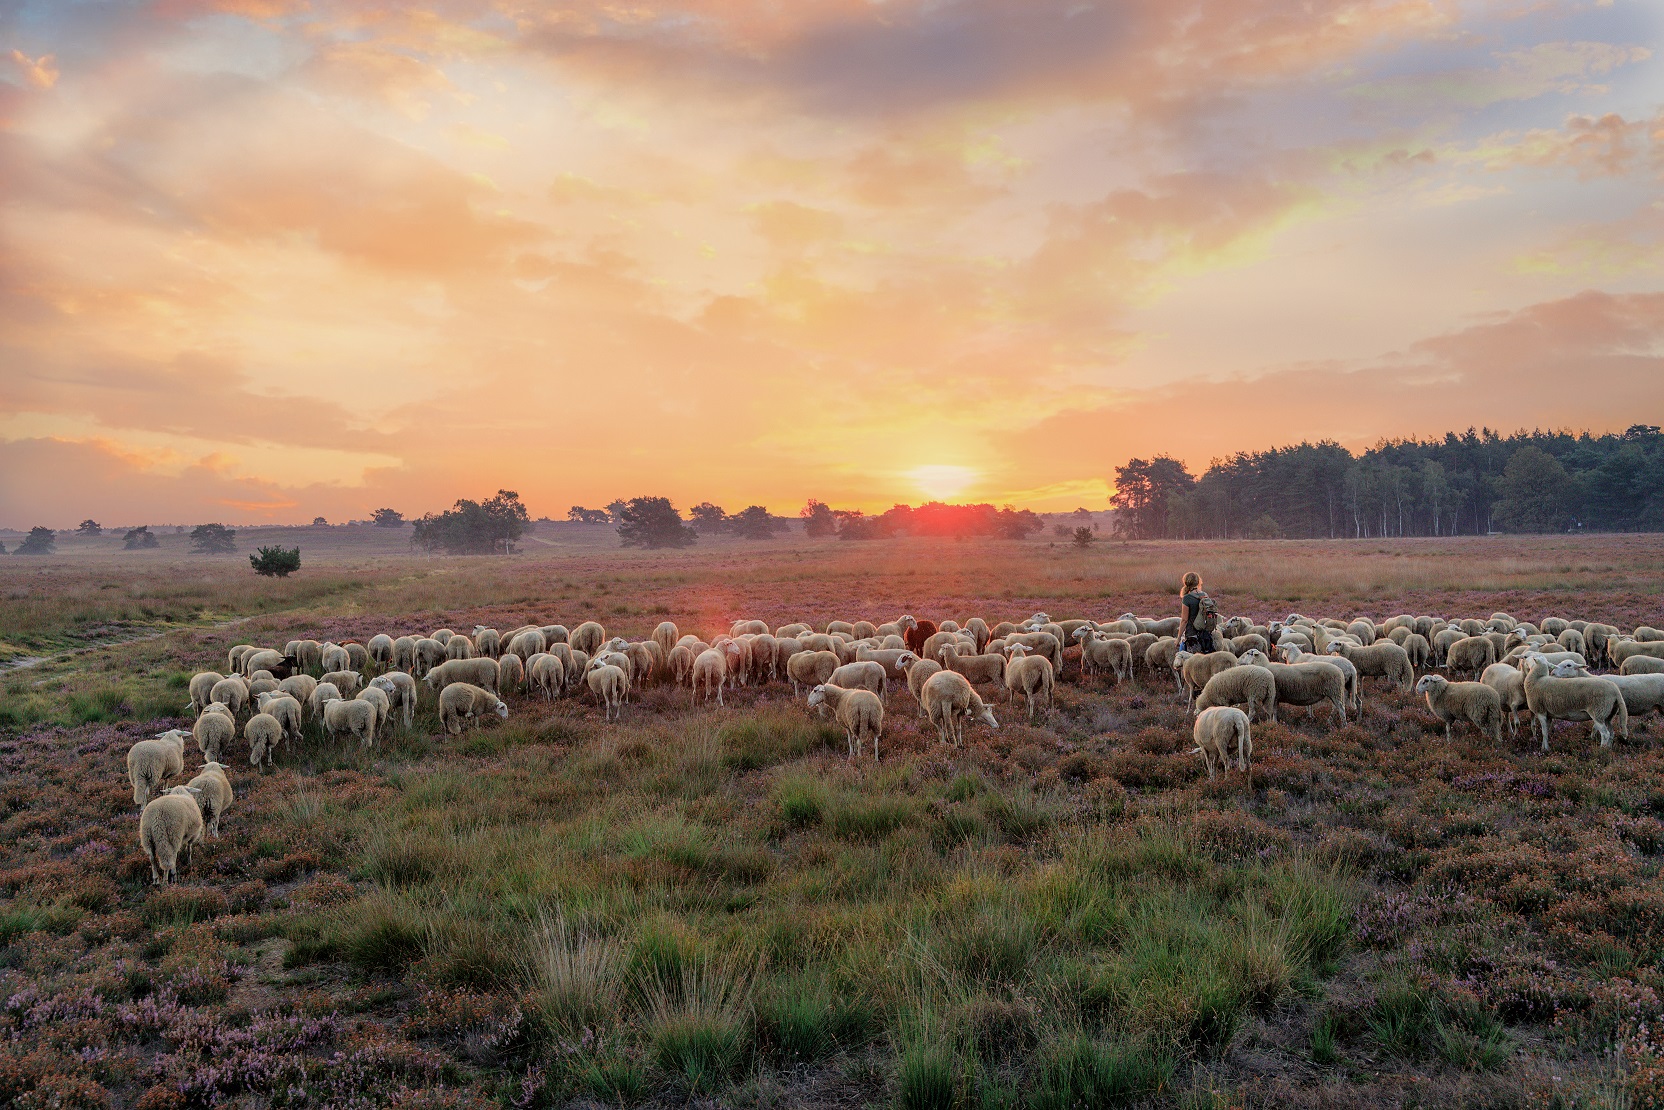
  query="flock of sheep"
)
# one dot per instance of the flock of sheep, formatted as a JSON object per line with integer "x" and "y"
{"x": 1544, "y": 669}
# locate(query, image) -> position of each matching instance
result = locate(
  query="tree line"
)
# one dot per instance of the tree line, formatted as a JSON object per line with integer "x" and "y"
{"x": 1463, "y": 484}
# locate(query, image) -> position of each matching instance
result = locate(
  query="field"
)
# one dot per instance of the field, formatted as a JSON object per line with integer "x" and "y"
{"x": 717, "y": 906}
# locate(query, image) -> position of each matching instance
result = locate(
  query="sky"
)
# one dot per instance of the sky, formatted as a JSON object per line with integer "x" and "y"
{"x": 264, "y": 260}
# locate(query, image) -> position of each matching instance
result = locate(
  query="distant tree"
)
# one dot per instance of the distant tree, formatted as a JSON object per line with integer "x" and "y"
{"x": 708, "y": 519}
{"x": 1264, "y": 527}
{"x": 577, "y": 514}
{"x": 2, "y": 549}
{"x": 651, "y": 522}
{"x": 40, "y": 541}
{"x": 615, "y": 510}
{"x": 275, "y": 562}
{"x": 1062, "y": 531}
{"x": 213, "y": 539}
{"x": 319, "y": 522}
{"x": 755, "y": 523}
{"x": 387, "y": 518}
{"x": 1016, "y": 524}
{"x": 1085, "y": 537}
{"x": 140, "y": 538}
{"x": 90, "y": 527}
{"x": 1084, "y": 512}
{"x": 1143, "y": 489}
{"x": 1534, "y": 493}
{"x": 474, "y": 527}
{"x": 818, "y": 519}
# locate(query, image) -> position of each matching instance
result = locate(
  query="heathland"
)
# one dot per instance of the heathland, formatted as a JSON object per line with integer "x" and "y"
{"x": 718, "y": 904}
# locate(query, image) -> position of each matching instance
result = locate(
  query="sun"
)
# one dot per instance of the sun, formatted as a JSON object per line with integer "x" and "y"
{"x": 940, "y": 483}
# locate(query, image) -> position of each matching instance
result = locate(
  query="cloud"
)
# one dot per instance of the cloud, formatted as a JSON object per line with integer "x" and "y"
{"x": 41, "y": 72}
{"x": 1594, "y": 146}
{"x": 1567, "y": 68}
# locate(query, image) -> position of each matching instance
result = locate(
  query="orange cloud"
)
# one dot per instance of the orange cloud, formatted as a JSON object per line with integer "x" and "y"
{"x": 41, "y": 72}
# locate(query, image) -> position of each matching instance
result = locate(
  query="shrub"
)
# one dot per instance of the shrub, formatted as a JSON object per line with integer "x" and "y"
{"x": 275, "y": 562}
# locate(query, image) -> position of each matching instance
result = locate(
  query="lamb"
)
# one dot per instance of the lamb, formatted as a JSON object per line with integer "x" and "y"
{"x": 264, "y": 732}
{"x": 202, "y": 687}
{"x": 609, "y": 684}
{"x": 152, "y": 762}
{"x": 1307, "y": 684}
{"x": 429, "y": 654}
{"x": 666, "y": 635}
{"x": 1214, "y": 731}
{"x": 1380, "y": 660}
{"x": 1250, "y": 686}
{"x": 168, "y": 827}
{"x": 380, "y": 649}
{"x": 1030, "y": 676}
{"x": 1573, "y": 699}
{"x": 1471, "y": 653}
{"x": 511, "y": 672}
{"x": 948, "y": 698}
{"x": 335, "y": 658}
{"x": 863, "y": 676}
{"x": 359, "y": 718}
{"x": 286, "y": 708}
{"x": 214, "y": 795}
{"x": 1195, "y": 670}
{"x": 587, "y": 637}
{"x": 1641, "y": 664}
{"x": 859, "y": 711}
{"x": 347, "y": 682}
{"x": 546, "y": 673}
{"x": 977, "y": 668}
{"x": 895, "y": 662}
{"x": 213, "y": 732}
{"x": 477, "y": 672}
{"x": 487, "y": 642}
{"x": 710, "y": 673}
{"x": 1475, "y": 702}
{"x": 1509, "y": 683}
{"x": 401, "y": 693}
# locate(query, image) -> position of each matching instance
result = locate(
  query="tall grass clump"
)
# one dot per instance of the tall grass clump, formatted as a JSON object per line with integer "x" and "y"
{"x": 574, "y": 975}
{"x": 699, "y": 1023}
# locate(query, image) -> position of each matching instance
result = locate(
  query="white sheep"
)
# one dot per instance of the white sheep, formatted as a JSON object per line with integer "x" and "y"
{"x": 298, "y": 686}
{"x": 587, "y": 637}
{"x": 348, "y": 682}
{"x": 1291, "y": 653}
{"x": 381, "y": 651}
{"x": 152, "y": 762}
{"x": 1253, "y": 687}
{"x": 487, "y": 642}
{"x": 355, "y": 717}
{"x": 1030, "y": 676}
{"x": 859, "y": 711}
{"x": 511, "y": 673}
{"x": 214, "y": 794}
{"x": 864, "y": 676}
{"x": 460, "y": 702}
{"x": 977, "y": 668}
{"x": 1475, "y": 702}
{"x": 1216, "y": 728}
{"x": 476, "y": 672}
{"x": 1509, "y": 683}
{"x": 459, "y": 647}
{"x": 264, "y": 732}
{"x": 710, "y": 674}
{"x": 948, "y": 700}
{"x": 168, "y": 827}
{"x": 1642, "y": 693}
{"x": 230, "y": 692}
{"x": 214, "y": 732}
{"x": 202, "y": 689}
{"x": 334, "y": 658}
{"x": 918, "y": 673}
{"x": 377, "y": 697}
{"x": 401, "y": 692}
{"x": 1379, "y": 660}
{"x": 610, "y": 684}
{"x": 1573, "y": 699}
{"x": 286, "y": 709}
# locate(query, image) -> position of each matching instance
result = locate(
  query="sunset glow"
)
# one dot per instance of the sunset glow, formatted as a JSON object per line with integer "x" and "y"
{"x": 265, "y": 261}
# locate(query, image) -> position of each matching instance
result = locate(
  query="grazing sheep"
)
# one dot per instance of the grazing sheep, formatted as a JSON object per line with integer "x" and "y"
{"x": 234, "y": 657}
{"x": 1475, "y": 702}
{"x": 1215, "y": 730}
{"x": 335, "y": 658}
{"x": 811, "y": 668}
{"x": 1646, "y": 634}
{"x": 1195, "y": 670}
{"x": 1030, "y": 676}
{"x": 152, "y": 762}
{"x": 429, "y": 654}
{"x": 792, "y": 631}
{"x": 264, "y": 732}
{"x": 1158, "y": 657}
{"x": 286, "y": 708}
{"x": 863, "y": 676}
{"x": 400, "y": 689}
{"x": 1307, "y": 684}
{"x": 1105, "y": 653}
{"x": 1599, "y": 637}
{"x": 358, "y": 718}
{"x": 1291, "y": 653}
{"x": 404, "y": 654}
{"x": 478, "y": 672}
{"x": 666, "y": 635}
{"x": 916, "y": 633}
{"x": 978, "y": 630}
{"x": 1572, "y": 640}
{"x": 1040, "y": 643}
{"x": 459, "y": 647}
{"x": 1471, "y": 653}
{"x": 168, "y": 827}
{"x": 1416, "y": 647}
{"x": 380, "y": 649}
{"x": 527, "y": 644}
{"x": 859, "y": 711}
{"x": 1246, "y": 642}
{"x": 587, "y": 637}
{"x": 358, "y": 656}
{"x": 1573, "y": 699}
{"x": 1642, "y": 693}
{"x": 747, "y": 628}
{"x": 547, "y": 674}
{"x": 1380, "y": 660}
{"x": 681, "y": 665}
{"x": 1166, "y": 626}
{"x": 260, "y": 659}
{"x": 202, "y": 689}
{"x": 710, "y": 673}
{"x": 487, "y": 642}
{"x": 230, "y": 692}
{"x": 1248, "y": 686}
{"x": 948, "y": 700}
{"x": 1621, "y": 651}
{"x": 609, "y": 684}
{"x": 379, "y": 698}
{"x": 1553, "y": 626}
{"x": 214, "y": 795}
{"x": 1641, "y": 664}
{"x": 894, "y": 661}
{"x": 347, "y": 682}
{"x": 511, "y": 672}
{"x": 214, "y": 733}
{"x": 977, "y": 668}
{"x": 322, "y": 695}
{"x": 1509, "y": 683}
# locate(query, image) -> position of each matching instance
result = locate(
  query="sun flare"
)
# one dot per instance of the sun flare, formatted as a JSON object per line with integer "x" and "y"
{"x": 939, "y": 482}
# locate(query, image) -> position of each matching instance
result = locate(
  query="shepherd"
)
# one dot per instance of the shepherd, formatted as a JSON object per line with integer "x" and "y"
{"x": 1201, "y": 616}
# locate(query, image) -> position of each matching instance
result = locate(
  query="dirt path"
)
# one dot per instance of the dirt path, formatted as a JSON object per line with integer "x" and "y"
{"x": 23, "y": 663}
